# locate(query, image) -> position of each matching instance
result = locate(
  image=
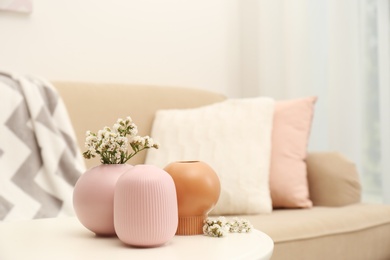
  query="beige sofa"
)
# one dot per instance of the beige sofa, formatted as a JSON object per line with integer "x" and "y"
{"x": 339, "y": 226}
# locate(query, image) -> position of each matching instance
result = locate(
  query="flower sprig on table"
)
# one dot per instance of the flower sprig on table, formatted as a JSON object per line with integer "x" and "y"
{"x": 219, "y": 227}
{"x": 111, "y": 144}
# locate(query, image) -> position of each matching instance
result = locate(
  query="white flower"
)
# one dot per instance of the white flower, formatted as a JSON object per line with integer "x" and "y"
{"x": 139, "y": 140}
{"x": 215, "y": 227}
{"x": 133, "y": 130}
{"x": 149, "y": 142}
{"x": 100, "y": 134}
{"x": 128, "y": 120}
{"x": 116, "y": 127}
{"x": 240, "y": 226}
{"x": 91, "y": 139}
{"x": 220, "y": 227}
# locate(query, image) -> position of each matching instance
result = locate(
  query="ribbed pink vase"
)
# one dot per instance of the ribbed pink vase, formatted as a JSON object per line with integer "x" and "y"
{"x": 145, "y": 207}
{"x": 93, "y": 197}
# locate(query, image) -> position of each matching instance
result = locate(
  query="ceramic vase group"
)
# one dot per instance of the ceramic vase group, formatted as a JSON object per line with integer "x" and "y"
{"x": 143, "y": 205}
{"x": 142, "y": 199}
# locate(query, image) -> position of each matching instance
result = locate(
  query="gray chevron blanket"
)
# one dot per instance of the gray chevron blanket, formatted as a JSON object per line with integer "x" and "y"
{"x": 39, "y": 158}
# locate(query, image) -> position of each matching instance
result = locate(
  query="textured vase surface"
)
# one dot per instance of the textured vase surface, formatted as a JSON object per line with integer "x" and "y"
{"x": 198, "y": 189}
{"x": 145, "y": 207}
{"x": 93, "y": 197}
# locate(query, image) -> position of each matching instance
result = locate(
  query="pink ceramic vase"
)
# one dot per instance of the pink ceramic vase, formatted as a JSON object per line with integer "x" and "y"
{"x": 93, "y": 197}
{"x": 145, "y": 207}
{"x": 198, "y": 189}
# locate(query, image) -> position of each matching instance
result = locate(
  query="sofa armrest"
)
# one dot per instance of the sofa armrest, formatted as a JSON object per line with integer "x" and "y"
{"x": 333, "y": 180}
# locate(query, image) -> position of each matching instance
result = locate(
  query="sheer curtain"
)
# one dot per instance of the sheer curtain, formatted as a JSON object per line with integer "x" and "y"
{"x": 383, "y": 23}
{"x": 338, "y": 51}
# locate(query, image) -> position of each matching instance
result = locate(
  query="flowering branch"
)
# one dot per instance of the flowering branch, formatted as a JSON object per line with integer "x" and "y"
{"x": 112, "y": 144}
{"x": 220, "y": 227}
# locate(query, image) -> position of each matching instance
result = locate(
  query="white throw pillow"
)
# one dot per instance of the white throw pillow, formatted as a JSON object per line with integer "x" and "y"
{"x": 233, "y": 137}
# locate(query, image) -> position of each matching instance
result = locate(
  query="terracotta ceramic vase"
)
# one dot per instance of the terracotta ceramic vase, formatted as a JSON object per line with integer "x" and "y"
{"x": 145, "y": 207}
{"x": 93, "y": 197}
{"x": 198, "y": 189}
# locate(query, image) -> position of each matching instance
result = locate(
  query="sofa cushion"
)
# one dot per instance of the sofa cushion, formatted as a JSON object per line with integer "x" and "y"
{"x": 328, "y": 232}
{"x": 333, "y": 179}
{"x": 290, "y": 137}
{"x": 233, "y": 137}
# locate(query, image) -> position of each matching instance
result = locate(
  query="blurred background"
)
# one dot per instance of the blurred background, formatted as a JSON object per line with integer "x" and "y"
{"x": 336, "y": 50}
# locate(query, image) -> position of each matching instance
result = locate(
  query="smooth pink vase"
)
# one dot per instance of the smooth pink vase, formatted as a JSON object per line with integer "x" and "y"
{"x": 145, "y": 207}
{"x": 93, "y": 197}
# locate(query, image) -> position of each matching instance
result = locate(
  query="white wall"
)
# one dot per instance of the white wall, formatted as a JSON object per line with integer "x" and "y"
{"x": 171, "y": 42}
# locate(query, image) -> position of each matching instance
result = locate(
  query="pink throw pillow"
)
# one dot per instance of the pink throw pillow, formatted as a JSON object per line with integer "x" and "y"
{"x": 290, "y": 136}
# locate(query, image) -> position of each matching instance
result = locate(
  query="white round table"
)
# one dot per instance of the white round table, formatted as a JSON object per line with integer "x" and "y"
{"x": 66, "y": 238}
